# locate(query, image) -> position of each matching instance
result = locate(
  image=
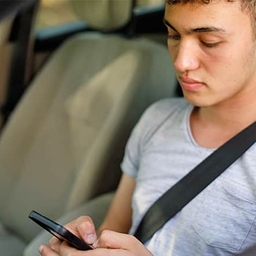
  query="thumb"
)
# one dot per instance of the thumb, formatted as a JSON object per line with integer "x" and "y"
{"x": 114, "y": 240}
{"x": 84, "y": 228}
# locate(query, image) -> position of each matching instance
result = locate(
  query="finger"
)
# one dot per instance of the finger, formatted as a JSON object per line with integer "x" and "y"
{"x": 84, "y": 228}
{"x": 54, "y": 240}
{"x": 46, "y": 251}
{"x": 115, "y": 240}
{"x": 54, "y": 244}
{"x": 66, "y": 250}
{"x": 87, "y": 230}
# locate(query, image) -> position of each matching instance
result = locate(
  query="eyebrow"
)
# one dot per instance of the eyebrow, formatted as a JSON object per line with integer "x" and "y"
{"x": 196, "y": 30}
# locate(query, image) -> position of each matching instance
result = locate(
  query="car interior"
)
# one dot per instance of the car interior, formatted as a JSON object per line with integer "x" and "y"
{"x": 70, "y": 97}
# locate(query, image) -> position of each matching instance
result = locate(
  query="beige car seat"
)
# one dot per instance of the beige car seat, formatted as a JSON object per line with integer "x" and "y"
{"x": 64, "y": 142}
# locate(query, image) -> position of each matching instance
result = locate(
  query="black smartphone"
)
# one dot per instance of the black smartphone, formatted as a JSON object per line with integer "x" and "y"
{"x": 59, "y": 231}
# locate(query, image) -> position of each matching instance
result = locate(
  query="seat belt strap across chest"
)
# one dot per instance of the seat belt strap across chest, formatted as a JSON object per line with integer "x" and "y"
{"x": 194, "y": 182}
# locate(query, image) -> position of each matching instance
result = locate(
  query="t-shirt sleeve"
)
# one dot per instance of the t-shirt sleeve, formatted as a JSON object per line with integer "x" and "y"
{"x": 130, "y": 163}
{"x": 142, "y": 132}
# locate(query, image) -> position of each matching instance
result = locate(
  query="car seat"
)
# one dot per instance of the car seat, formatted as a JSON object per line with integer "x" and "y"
{"x": 65, "y": 140}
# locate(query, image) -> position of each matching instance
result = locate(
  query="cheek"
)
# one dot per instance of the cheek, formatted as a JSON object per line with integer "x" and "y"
{"x": 222, "y": 63}
{"x": 230, "y": 73}
{"x": 241, "y": 64}
{"x": 223, "y": 72}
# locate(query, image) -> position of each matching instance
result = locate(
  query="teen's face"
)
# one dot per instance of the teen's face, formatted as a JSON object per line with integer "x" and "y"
{"x": 213, "y": 50}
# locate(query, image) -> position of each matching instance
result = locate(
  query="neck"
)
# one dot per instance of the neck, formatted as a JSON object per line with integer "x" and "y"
{"x": 214, "y": 125}
{"x": 238, "y": 111}
{"x": 229, "y": 115}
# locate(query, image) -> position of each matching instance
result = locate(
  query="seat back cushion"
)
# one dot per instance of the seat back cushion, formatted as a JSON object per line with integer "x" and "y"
{"x": 64, "y": 142}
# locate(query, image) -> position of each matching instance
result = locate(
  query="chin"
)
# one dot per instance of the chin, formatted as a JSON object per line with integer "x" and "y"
{"x": 197, "y": 100}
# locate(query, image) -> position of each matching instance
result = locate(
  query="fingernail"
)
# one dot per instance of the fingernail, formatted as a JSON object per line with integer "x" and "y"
{"x": 40, "y": 249}
{"x": 95, "y": 244}
{"x": 91, "y": 238}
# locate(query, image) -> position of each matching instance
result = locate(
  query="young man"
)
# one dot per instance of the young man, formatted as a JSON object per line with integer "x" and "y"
{"x": 213, "y": 47}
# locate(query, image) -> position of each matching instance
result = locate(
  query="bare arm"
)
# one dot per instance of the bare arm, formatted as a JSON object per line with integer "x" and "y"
{"x": 119, "y": 215}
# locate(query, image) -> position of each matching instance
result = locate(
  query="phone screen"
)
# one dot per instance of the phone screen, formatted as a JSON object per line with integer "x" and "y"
{"x": 59, "y": 231}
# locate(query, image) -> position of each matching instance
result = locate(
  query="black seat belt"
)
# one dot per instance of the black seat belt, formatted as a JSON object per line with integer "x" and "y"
{"x": 194, "y": 182}
{"x": 20, "y": 36}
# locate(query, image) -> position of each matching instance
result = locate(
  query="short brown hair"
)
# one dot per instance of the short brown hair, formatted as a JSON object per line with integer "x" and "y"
{"x": 248, "y": 6}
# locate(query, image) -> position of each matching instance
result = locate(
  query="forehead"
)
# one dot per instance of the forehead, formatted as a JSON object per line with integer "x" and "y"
{"x": 219, "y": 13}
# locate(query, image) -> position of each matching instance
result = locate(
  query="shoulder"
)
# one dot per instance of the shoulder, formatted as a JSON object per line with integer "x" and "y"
{"x": 162, "y": 109}
{"x": 166, "y": 106}
{"x": 158, "y": 114}
{"x": 154, "y": 117}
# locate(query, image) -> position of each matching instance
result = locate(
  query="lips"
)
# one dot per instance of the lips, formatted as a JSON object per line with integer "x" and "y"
{"x": 190, "y": 84}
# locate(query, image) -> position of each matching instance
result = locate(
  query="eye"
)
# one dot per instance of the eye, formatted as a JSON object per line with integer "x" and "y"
{"x": 209, "y": 41}
{"x": 210, "y": 45}
{"x": 174, "y": 37}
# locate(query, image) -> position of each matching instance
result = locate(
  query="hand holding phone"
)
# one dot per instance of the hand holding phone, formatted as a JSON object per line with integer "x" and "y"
{"x": 59, "y": 231}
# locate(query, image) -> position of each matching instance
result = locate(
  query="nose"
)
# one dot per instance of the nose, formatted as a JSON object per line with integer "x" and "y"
{"x": 186, "y": 57}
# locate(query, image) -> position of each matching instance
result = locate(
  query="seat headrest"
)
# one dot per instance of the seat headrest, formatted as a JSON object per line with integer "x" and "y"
{"x": 104, "y": 15}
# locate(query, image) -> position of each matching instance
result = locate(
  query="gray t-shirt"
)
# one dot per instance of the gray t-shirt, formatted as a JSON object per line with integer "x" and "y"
{"x": 221, "y": 219}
